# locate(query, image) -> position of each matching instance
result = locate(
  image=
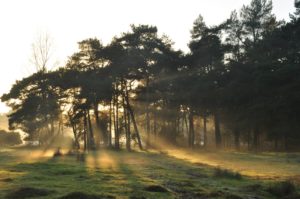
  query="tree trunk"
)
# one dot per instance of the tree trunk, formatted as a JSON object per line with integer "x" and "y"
{"x": 134, "y": 122}
{"x": 100, "y": 128}
{"x": 191, "y": 130}
{"x": 286, "y": 144}
{"x": 110, "y": 125}
{"x": 85, "y": 136}
{"x": 155, "y": 125}
{"x": 147, "y": 113}
{"x": 186, "y": 124}
{"x": 126, "y": 119}
{"x": 117, "y": 141}
{"x": 128, "y": 133}
{"x": 248, "y": 140}
{"x": 114, "y": 116}
{"x": 256, "y": 138}
{"x": 52, "y": 127}
{"x": 177, "y": 122}
{"x": 76, "y": 141}
{"x": 236, "y": 138}
{"x": 276, "y": 142}
{"x": 217, "y": 130}
{"x": 205, "y": 130}
{"x": 91, "y": 133}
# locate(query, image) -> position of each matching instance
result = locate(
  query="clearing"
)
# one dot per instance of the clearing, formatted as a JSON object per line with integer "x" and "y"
{"x": 33, "y": 173}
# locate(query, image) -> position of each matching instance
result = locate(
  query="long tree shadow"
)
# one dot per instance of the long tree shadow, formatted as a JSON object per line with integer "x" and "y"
{"x": 54, "y": 178}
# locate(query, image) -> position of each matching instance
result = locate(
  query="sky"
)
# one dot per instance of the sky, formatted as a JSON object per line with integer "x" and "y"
{"x": 70, "y": 21}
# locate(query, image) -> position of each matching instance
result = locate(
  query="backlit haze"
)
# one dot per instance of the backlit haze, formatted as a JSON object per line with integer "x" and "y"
{"x": 68, "y": 22}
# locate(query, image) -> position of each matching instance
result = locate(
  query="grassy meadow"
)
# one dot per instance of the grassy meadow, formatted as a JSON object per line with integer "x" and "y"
{"x": 34, "y": 173}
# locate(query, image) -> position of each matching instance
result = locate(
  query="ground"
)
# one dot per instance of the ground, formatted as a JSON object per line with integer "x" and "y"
{"x": 35, "y": 173}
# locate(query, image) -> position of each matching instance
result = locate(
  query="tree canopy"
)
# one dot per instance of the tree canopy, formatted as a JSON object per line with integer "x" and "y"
{"x": 237, "y": 87}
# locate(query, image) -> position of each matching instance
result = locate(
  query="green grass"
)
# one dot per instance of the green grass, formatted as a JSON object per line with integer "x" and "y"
{"x": 121, "y": 174}
{"x": 280, "y": 166}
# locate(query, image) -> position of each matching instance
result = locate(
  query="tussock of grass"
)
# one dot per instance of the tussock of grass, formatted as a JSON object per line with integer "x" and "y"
{"x": 81, "y": 195}
{"x": 137, "y": 197}
{"x": 27, "y": 192}
{"x": 222, "y": 194}
{"x": 253, "y": 187}
{"x": 281, "y": 189}
{"x": 224, "y": 173}
{"x": 231, "y": 196}
{"x": 155, "y": 188}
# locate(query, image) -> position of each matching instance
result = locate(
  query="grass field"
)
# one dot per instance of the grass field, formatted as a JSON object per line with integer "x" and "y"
{"x": 34, "y": 173}
{"x": 263, "y": 165}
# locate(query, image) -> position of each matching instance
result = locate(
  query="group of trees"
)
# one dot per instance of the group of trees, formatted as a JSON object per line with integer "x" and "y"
{"x": 241, "y": 77}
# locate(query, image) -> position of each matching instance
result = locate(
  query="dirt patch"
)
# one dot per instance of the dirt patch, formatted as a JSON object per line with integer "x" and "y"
{"x": 156, "y": 188}
{"x": 28, "y": 192}
{"x": 81, "y": 195}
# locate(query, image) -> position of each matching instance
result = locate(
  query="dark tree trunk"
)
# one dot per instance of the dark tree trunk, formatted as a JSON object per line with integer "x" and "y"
{"x": 117, "y": 141}
{"x": 276, "y": 142}
{"x": 256, "y": 138}
{"x": 52, "y": 127}
{"x": 236, "y": 138}
{"x": 155, "y": 125}
{"x": 76, "y": 141}
{"x": 191, "y": 136}
{"x": 91, "y": 133}
{"x": 186, "y": 123}
{"x": 248, "y": 139}
{"x": 177, "y": 125}
{"x": 126, "y": 119}
{"x": 134, "y": 122}
{"x": 128, "y": 133}
{"x": 114, "y": 115}
{"x": 205, "y": 130}
{"x": 110, "y": 125}
{"x": 147, "y": 113}
{"x": 85, "y": 136}
{"x": 286, "y": 144}
{"x": 217, "y": 130}
{"x": 100, "y": 127}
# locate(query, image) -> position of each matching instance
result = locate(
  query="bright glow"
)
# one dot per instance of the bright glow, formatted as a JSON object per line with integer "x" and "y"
{"x": 71, "y": 21}
{"x": 101, "y": 160}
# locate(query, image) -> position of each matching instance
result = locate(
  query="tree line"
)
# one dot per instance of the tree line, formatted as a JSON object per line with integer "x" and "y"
{"x": 240, "y": 82}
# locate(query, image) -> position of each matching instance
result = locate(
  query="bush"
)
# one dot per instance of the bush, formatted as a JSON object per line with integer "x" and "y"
{"x": 9, "y": 138}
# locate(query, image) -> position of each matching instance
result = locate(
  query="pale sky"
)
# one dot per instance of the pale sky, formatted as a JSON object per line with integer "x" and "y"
{"x": 70, "y": 21}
